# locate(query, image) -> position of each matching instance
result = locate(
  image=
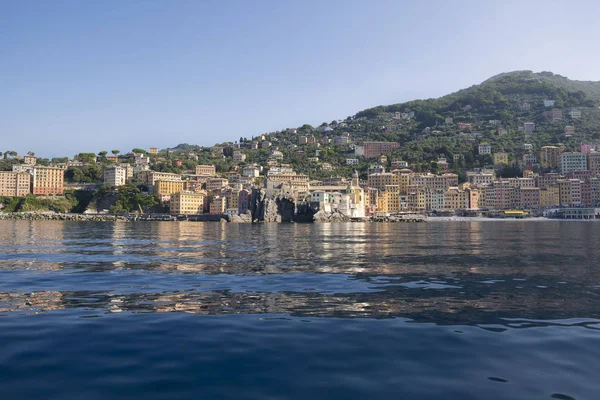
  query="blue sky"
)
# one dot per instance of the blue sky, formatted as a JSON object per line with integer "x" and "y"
{"x": 112, "y": 74}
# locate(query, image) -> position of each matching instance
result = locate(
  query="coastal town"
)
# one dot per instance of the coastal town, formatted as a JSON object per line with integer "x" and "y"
{"x": 567, "y": 182}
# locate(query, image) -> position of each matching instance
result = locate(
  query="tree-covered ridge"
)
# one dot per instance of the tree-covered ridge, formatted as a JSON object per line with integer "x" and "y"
{"x": 499, "y": 93}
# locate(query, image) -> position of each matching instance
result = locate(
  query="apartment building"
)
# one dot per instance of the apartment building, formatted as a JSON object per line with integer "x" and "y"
{"x": 48, "y": 181}
{"x": 549, "y": 156}
{"x": 15, "y": 183}
{"x": 186, "y": 202}
{"x": 381, "y": 180}
{"x": 594, "y": 162}
{"x": 568, "y": 162}
{"x": 150, "y": 177}
{"x": 244, "y": 201}
{"x": 209, "y": 170}
{"x": 115, "y": 176}
{"x": 216, "y": 184}
{"x": 218, "y": 205}
{"x": 435, "y": 182}
{"x": 375, "y": 149}
{"x": 569, "y": 192}
{"x": 165, "y": 189}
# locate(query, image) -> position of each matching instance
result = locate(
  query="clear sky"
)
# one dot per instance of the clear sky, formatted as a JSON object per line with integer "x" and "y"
{"x": 117, "y": 74}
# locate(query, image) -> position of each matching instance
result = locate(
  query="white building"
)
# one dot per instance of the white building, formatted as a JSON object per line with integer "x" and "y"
{"x": 575, "y": 114}
{"x": 485, "y": 148}
{"x": 115, "y": 176}
{"x": 568, "y": 162}
{"x": 351, "y": 161}
{"x": 549, "y": 103}
{"x": 253, "y": 172}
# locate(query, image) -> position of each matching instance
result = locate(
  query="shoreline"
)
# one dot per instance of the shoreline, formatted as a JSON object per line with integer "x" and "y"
{"x": 52, "y": 216}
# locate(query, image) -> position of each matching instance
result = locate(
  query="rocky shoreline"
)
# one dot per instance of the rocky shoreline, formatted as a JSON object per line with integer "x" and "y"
{"x": 51, "y": 216}
{"x": 319, "y": 217}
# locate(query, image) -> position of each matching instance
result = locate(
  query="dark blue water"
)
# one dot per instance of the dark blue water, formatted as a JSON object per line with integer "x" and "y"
{"x": 442, "y": 310}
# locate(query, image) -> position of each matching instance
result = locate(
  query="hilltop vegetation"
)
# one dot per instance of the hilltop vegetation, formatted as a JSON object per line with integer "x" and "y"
{"x": 504, "y": 101}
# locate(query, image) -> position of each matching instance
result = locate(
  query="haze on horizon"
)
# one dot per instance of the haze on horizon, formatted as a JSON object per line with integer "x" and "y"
{"x": 91, "y": 76}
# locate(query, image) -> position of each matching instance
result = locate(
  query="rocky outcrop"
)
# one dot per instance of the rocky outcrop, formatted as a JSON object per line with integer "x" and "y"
{"x": 322, "y": 216}
{"x": 242, "y": 218}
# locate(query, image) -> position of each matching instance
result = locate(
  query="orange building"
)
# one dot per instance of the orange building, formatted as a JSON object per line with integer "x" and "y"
{"x": 15, "y": 183}
{"x": 48, "y": 181}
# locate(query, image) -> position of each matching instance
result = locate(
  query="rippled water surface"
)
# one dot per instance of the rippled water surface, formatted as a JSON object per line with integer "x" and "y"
{"x": 442, "y": 310}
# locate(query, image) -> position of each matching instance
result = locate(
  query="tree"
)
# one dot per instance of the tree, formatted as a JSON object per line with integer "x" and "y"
{"x": 138, "y": 151}
{"x": 30, "y": 153}
{"x": 115, "y": 152}
{"x": 103, "y": 153}
{"x": 87, "y": 157}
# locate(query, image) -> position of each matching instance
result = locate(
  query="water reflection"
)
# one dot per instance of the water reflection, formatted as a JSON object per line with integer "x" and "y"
{"x": 447, "y": 273}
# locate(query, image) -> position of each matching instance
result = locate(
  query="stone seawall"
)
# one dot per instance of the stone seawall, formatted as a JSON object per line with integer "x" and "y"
{"x": 46, "y": 216}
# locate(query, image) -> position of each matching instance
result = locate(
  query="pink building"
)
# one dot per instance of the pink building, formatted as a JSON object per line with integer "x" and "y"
{"x": 375, "y": 149}
{"x": 587, "y": 148}
{"x": 243, "y": 201}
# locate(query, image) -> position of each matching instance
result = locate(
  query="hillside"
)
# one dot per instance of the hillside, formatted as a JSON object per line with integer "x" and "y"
{"x": 429, "y": 129}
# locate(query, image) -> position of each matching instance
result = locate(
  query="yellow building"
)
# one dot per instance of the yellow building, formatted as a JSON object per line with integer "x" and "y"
{"x": 153, "y": 150}
{"x": 164, "y": 189}
{"x": 473, "y": 197}
{"x": 232, "y": 198}
{"x": 501, "y": 158}
{"x": 392, "y": 198}
{"x": 381, "y": 180}
{"x": 455, "y": 199}
{"x": 48, "y": 181}
{"x": 549, "y": 156}
{"x": 185, "y": 202}
{"x": 404, "y": 179}
{"x": 549, "y": 197}
{"x": 150, "y": 177}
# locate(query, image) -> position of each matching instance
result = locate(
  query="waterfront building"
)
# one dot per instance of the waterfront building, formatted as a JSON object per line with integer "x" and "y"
{"x": 569, "y": 191}
{"x": 243, "y": 201}
{"x": 165, "y": 189}
{"x": 48, "y": 181}
{"x": 15, "y": 183}
{"x": 186, "y": 202}
{"x": 549, "y": 196}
